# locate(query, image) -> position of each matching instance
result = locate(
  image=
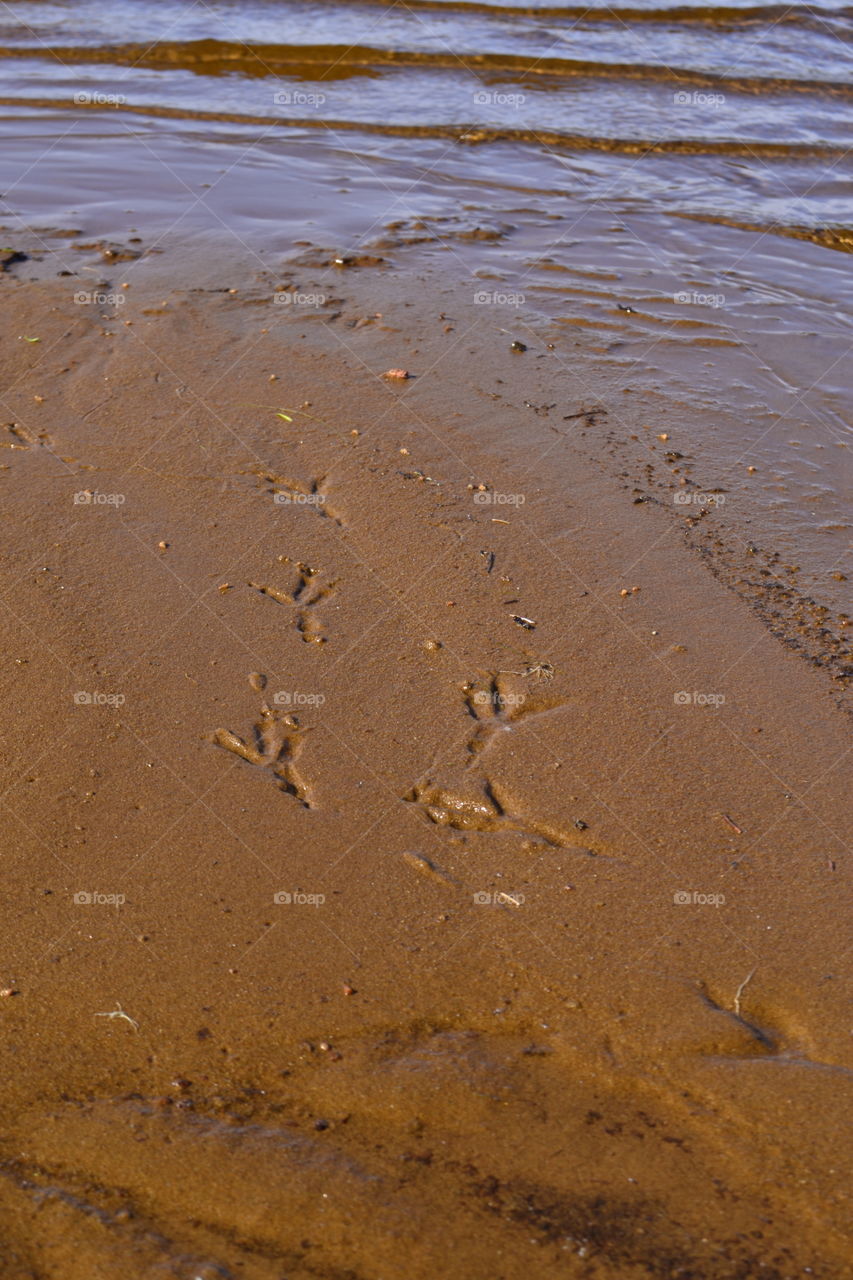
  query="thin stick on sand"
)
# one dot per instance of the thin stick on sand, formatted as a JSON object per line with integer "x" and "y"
{"x": 118, "y": 1012}
{"x": 740, "y": 991}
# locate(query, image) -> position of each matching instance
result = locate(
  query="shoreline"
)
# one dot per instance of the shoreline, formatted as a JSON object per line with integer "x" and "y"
{"x": 386, "y": 692}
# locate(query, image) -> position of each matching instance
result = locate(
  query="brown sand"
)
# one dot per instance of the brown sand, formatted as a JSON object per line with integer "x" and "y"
{"x": 329, "y": 696}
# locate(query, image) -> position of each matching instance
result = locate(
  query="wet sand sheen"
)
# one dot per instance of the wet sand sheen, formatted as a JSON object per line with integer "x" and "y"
{"x": 460, "y": 926}
{"x": 424, "y": 794}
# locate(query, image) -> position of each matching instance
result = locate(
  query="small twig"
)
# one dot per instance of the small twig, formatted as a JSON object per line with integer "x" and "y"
{"x": 254, "y": 404}
{"x": 740, "y": 991}
{"x": 584, "y": 413}
{"x": 118, "y": 1012}
{"x": 541, "y": 670}
{"x": 734, "y": 826}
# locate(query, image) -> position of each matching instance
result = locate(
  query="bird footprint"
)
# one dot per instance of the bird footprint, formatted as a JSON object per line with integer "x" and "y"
{"x": 307, "y": 592}
{"x": 275, "y": 744}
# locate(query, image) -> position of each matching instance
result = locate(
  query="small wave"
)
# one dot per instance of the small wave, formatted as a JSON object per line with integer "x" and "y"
{"x": 316, "y": 62}
{"x": 470, "y": 134}
{"x": 697, "y": 15}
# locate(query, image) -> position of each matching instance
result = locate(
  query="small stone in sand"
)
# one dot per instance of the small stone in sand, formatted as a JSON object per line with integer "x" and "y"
{"x": 164, "y": 546}
{"x": 397, "y": 373}
{"x": 258, "y": 681}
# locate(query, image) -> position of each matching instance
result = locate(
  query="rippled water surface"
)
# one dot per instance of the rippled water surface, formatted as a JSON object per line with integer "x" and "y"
{"x": 670, "y": 183}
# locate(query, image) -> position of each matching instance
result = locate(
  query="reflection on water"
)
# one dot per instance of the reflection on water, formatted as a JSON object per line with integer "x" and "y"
{"x": 670, "y": 182}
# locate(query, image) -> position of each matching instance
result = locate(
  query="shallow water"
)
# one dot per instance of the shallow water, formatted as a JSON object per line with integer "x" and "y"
{"x": 669, "y": 187}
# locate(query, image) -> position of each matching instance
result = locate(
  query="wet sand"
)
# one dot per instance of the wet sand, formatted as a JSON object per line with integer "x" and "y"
{"x": 424, "y": 836}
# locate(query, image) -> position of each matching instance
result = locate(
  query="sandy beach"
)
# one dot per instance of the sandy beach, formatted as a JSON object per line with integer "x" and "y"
{"x": 424, "y": 690}
{"x": 426, "y": 858}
